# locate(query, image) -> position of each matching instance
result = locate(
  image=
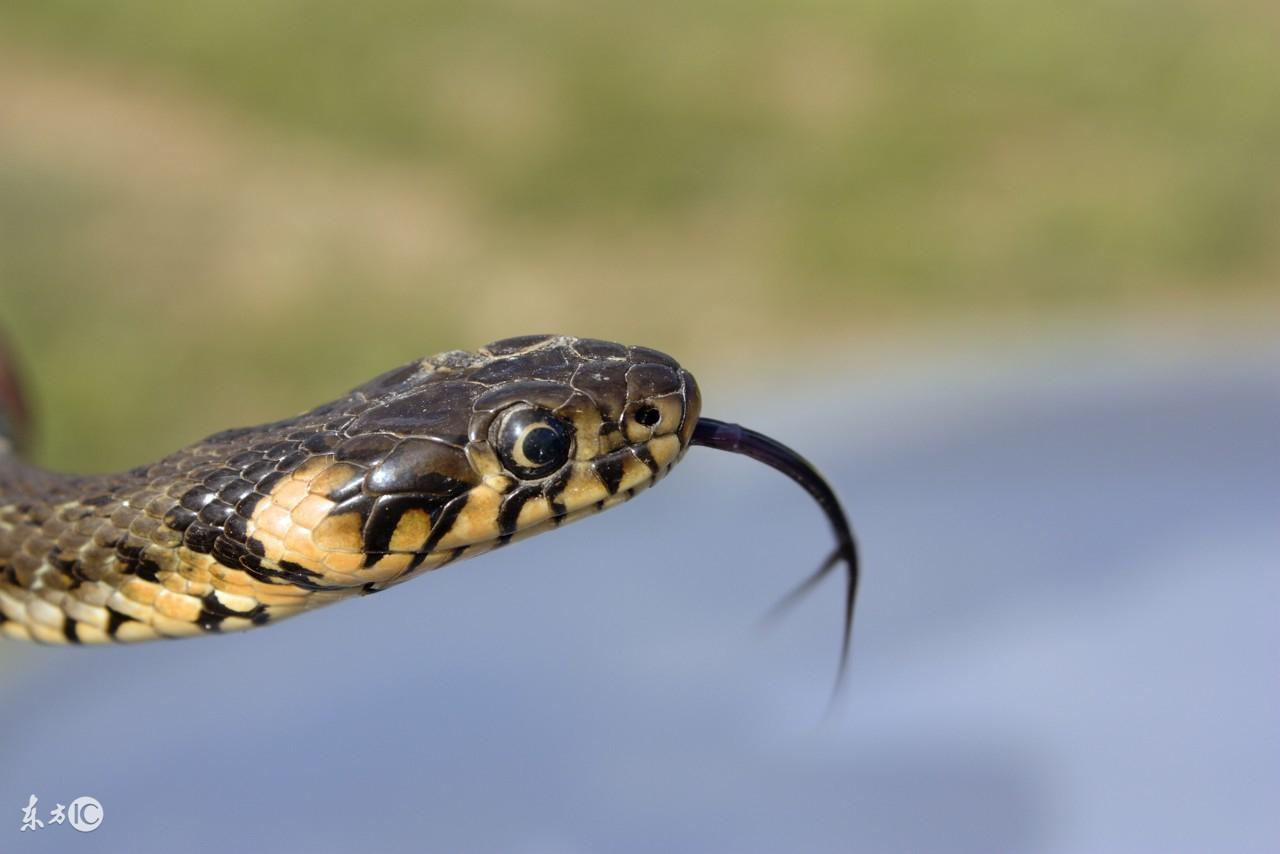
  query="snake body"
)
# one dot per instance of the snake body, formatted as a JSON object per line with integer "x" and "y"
{"x": 441, "y": 459}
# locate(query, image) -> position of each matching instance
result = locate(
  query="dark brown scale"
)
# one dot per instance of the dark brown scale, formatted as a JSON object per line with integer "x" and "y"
{"x": 243, "y": 460}
{"x": 319, "y": 443}
{"x": 293, "y": 460}
{"x": 646, "y": 381}
{"x": 245, "y": 506}
{"x": 269, "y": 481}
{"x": 279, "y": 450}
{"x": 429, "y": 413}
{"x": 196, "y": 498}
{"x": 234, "y": 489}
{"x": 366, "y": 450}
{"x": 216, "y": 513}
{"x": 359, "y": 503}
{"x": 199, "y": 537}
{"x": 594, "y": 350}
{"x": 605, "y": 383}
{"x": 422, "y": 466}
{"x": 511, "y": 346}
{"x": 236, "y": 529}
{"x": 179, "y": 518}
{"x": 549, "y": 364}
{"x": 538, "y": 392}
{"x": 259, "y": 470}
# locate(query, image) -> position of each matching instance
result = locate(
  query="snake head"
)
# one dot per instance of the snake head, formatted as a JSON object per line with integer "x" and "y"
{"x": 454, "y": 455}
{"x": 440, "y": 459}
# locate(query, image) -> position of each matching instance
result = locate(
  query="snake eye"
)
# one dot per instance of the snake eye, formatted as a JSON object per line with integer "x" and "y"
{"x": 532, "y": 442}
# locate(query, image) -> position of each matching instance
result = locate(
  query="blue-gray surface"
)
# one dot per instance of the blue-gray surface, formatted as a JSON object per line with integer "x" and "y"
{"x": 1067, "y": 641}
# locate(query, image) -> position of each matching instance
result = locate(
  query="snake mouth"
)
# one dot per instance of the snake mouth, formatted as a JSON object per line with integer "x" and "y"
{"x": 737, "y": 439}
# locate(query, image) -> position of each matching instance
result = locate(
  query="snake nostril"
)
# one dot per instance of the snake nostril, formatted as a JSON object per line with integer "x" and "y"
{"x": 648, "y": 416}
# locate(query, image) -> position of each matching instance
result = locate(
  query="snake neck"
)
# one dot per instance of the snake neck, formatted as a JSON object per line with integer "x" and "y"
{"x": 93, "y": 558}
{"x": 50, "y": 536}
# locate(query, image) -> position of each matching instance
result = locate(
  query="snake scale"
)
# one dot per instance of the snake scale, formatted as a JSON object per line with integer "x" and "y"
{"x": 441, "y": 459}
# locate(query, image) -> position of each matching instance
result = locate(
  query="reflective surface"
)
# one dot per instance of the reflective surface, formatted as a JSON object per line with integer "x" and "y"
{"x": 1065, "y": 642}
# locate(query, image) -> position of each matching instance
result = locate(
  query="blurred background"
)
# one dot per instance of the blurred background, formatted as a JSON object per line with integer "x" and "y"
{"x": 1006, "y": 271}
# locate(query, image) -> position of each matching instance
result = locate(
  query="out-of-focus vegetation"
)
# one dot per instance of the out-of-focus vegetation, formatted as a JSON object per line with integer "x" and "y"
{"x": 220, "y": 211}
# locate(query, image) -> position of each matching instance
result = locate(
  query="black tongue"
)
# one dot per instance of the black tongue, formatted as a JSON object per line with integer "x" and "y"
{"x": 742, "y": 440}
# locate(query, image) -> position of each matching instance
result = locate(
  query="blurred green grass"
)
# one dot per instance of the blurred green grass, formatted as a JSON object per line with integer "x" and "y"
{"x": 212, "y": 212}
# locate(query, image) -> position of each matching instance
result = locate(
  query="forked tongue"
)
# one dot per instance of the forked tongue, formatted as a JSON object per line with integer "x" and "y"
{"x": 741, "y": 440}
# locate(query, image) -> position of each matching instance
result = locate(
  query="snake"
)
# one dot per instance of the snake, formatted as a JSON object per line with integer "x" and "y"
{"x": 442, "y": 459}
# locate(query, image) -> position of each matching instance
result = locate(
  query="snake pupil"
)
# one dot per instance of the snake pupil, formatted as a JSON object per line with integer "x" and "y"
{"x": 542, "y": 444}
